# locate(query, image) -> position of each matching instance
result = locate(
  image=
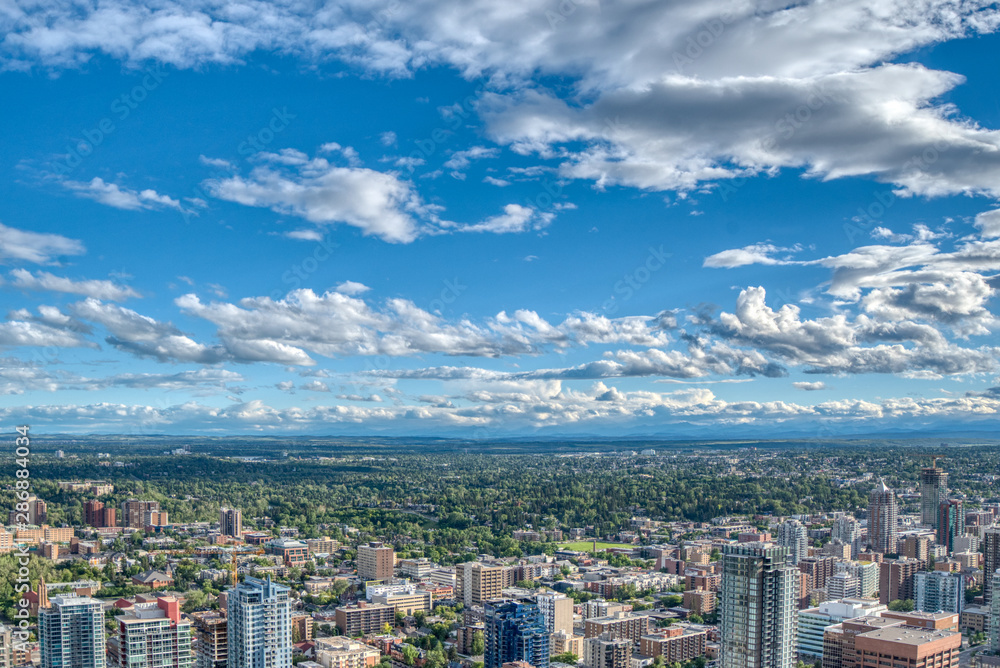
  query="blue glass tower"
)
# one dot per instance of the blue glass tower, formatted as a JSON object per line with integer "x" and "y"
{"x": 515, "y": 632}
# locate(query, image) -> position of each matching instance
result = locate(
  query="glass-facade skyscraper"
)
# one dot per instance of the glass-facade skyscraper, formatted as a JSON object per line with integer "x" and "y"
{"x": 71, "y": 633}
{"x": 758, "y": 610}
{"x": 515, "y": 631}
{"x": 259, "y": 625}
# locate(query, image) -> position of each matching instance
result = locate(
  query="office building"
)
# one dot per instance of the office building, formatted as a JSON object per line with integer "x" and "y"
{"x": 939, "y": 592}
{"x": 866, "y": 573}
{"x": 259, "y": 629}
{"x": 557, "y": 609}
{"x": 793, "y": 535}
{"x": 975, "y": 619}
{"x": 606, "y": 652}
{"x": 324, "y": 545}
{"x": 819, "y": 570}
{"x": 994, "y": 619}
{"x": 812, "y": 622}
{"x": 758, "y": 607}
{"x": 933, "y": 491}
{"x": 231, "y": 522}
{"x": 364, "y": 618}
{"x": 889, "y": 642}
{"x": 375, "y": 562}
{"x": 134, "y": 512}
{"x": 152, "y": 635}
{"x": 675, "y": 644}
{"x": 842, "y": 585}
{"x": 847, "y": 530}
{"x": 896, "y": 580}
{"x": 406, "y": 600}
{"x": 476, "y": 583}
{"x": 212, "y": 642}
{"x": 71, "y": 633}
{"x": 916, "y": 547}
{"x": 342, "y": 652}
{"x": 97, "y": 515}
{"x": 882, "y": 519}
{"x": 908, "y": 646}
{"x": 951, "y": 523}
{"x": 515, "y": 632}
{"x": 293, "y": 553}
{"x": 991, "y": 561}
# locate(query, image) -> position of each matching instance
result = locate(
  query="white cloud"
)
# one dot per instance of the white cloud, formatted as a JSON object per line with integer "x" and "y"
{"x": 36, "y": 247}
{"x": 335, "y": 324}
{"x": 143, "y": 336}
{"x": 315, "y": 386}
{"x": 376, "y": 203}
{"x": 809, "y": 387}
{"x": 754, "y": 254}
{"x": 514, "y": 219}
{"x": 305, "y": 235}
{"x": 522, "y": 409}
{"x": 98, "y": 289}
{"x": 988, "y": 223}
{"x": 113, "y": 195}
{"x": 460, "y": 160}
{"x": 664, "y": 95}
{"x": 352, "y": 288}
{"x": 838, "y": 345}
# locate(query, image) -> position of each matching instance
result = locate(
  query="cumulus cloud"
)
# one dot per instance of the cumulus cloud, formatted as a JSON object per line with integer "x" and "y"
{"x": 515, "y": 218}
{"x": 44, "y": 281}
{"x": 838, "y": 344}
{"x": 376, "y": 203}
{"x": 352, "y": 288}
{"x": 809, "y": 387}
{"x": 143, "y": 336}
{"x": 39, "y": 248}
{"x": 336, "y": 324}
{"x": 380, "y": 204}
{"x": 918, "y": 279}
{"x": 659, "y": 96}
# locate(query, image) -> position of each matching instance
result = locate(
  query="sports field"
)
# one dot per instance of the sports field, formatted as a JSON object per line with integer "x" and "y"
{"x": 588, "y": 545}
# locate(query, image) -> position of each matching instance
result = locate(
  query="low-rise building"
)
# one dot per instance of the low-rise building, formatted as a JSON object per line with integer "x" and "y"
{"x": 676, "y": 643}
{"x": 342, "y": 652}
{"x": 364, "y": 618}
{"x": 619, "y": 625}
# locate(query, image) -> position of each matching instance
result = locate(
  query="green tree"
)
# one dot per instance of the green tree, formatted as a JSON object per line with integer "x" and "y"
{"x": 410, "y": 654}
{"x": 904, "y": 605}
{"x": 478, "y": 643}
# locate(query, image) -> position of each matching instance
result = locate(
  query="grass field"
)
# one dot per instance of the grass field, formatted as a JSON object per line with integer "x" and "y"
{"x": 587, "y": 545}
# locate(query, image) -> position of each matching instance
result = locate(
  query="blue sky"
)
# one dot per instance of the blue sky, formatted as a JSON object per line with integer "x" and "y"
{"x": 500, "y": 219}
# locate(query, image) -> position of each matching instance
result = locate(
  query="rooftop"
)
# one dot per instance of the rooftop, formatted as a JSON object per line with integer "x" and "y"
{"x": 908, "y": 635}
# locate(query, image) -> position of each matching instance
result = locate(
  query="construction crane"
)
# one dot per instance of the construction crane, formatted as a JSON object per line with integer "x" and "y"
{"x": 237, "y": 555}
{"x": 934, "y": 458}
